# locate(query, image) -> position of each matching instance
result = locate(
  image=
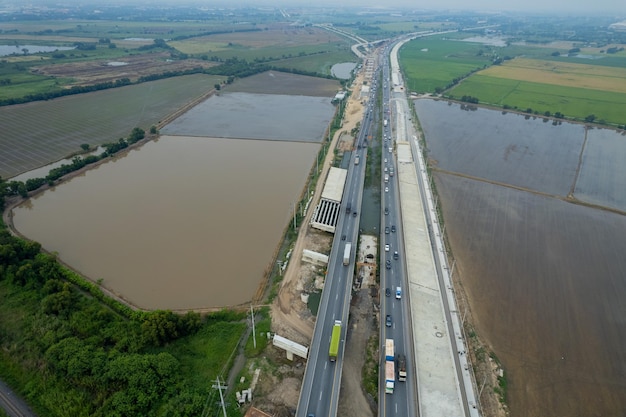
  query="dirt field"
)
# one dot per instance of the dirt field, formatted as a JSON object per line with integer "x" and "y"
{"x": 93, "y": 72}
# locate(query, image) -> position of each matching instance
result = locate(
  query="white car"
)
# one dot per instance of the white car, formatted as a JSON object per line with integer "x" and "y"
{"x": 386, "y": 248}
{"x": 386, "y": 189}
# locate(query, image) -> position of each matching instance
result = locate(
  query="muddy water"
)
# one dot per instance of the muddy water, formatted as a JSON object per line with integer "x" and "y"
{"x": 545, "y": 278}
{"x": 182, "y": 223}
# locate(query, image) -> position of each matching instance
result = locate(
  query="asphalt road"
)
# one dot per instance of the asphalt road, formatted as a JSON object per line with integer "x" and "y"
{"x": 13, "y": 405}
{"x": 403, "y": 401}
{"x": 322, "y": 380}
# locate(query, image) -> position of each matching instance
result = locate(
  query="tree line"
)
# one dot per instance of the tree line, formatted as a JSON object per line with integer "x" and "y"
{"x": 14, "y": 188}
{"x": 231, "y": 67}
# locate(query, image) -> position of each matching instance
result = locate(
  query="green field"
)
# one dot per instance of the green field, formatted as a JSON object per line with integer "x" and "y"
{"x": 570, "y": 101}
{"x": 431, "y": 63}
{"x": 320, "y": 63}
{"x": 544, "y": 83}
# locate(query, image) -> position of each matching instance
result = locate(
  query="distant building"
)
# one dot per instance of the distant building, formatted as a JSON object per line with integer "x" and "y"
{"x": 619, "y": 26}
{"x": 340, "y": 96}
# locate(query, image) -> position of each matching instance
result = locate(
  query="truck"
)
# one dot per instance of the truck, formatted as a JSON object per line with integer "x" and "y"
{"x": 389, "y": 350}
{"x": 401, "y": 367}
{"x": 386, "y": 178}
{"x": 389, "y": 377}
{"x": 356, "y": 160}
{"x": 334, "y": 341}
{"x": 346, "y": 253}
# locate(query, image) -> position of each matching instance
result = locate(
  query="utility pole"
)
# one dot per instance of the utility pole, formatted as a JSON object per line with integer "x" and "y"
{"x": 220, "y": 387}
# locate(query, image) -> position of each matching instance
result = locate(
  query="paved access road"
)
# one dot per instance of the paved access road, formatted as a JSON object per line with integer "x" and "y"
{"x": 13, "y": 405}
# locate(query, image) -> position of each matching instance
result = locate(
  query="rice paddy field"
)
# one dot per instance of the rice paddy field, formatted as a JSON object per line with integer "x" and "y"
{"x": 38, "y": 133}
{"x": 432, "y": 63}
{"x": 576, "y": 90}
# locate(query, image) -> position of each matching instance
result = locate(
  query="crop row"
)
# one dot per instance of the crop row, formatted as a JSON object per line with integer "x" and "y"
{"x": 42, "y": 132}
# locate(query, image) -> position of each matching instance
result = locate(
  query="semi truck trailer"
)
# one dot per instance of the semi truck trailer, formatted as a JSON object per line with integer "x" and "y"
{"x": 346, "y": 253}
{"x": 334, "y": 341}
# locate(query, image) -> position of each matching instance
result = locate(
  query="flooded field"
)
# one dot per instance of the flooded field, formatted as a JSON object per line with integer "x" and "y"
{"x": 180, "y": 223}
{"x": 506, "y": 148}
{"x": 602, "y": 178}
{"x": 272, "y": 82}
{"x": 545, "y": 277}
{"x": 343, "y": 70}
{"x": 257, "y": 116}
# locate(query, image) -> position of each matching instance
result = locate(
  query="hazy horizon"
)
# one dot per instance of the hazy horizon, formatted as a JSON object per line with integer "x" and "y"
{"x": 563, "y": 7}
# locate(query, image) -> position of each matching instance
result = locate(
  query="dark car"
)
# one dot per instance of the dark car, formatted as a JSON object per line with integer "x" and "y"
{"x": 388, "y": 264}
{"x": 388, "y": 320}
{"x": 354, "y": 214}
{"x": 393, "y": 229}
{"x": 387, "y": 292}
{"x": 386, "y": 210}
{"x": 343, "y": 237}
{"x": 387, "y": 230}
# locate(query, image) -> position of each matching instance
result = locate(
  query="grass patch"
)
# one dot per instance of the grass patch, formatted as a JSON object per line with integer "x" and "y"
{"x": 370, "y": 368}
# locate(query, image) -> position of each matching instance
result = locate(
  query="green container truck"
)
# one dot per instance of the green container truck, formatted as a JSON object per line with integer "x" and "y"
{"x": 334, "y": 341}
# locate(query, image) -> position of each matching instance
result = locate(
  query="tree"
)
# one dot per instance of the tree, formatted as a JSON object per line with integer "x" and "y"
{"x": 85, "y": 146}
{"x": 160, "y": 327}
{"x": 590, "y": 118}
{"x": 217, "y": 86}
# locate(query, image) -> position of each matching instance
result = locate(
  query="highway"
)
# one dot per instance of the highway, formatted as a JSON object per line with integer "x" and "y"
{"x": 438, "y": 373}
{"x": 319, "y": 395}
{"x": 402, "y": 402}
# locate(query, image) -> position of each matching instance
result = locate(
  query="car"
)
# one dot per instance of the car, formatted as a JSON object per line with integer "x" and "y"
{"x": 385, "y": 160}
{"x": 388, "y": 264}
{"x": 354, "y": 214}
{"x": 387, "y": 248}
{"x": 387, "y": 292}
{"x": 343, "y": 237}
{"x": 393, "y": 228}
{"x": 386, "y": 210}
{"x": 395, "y": 255}
{"x": 387, "y": 230}
{"x": 388, "y": 320}
{"x": 386, "y": 189}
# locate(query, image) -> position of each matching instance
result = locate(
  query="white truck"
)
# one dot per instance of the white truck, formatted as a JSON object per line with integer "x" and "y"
{"x": 390, "y": 377}
{"x": 390, "y": 371}
{"x": 347, "y": 250}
